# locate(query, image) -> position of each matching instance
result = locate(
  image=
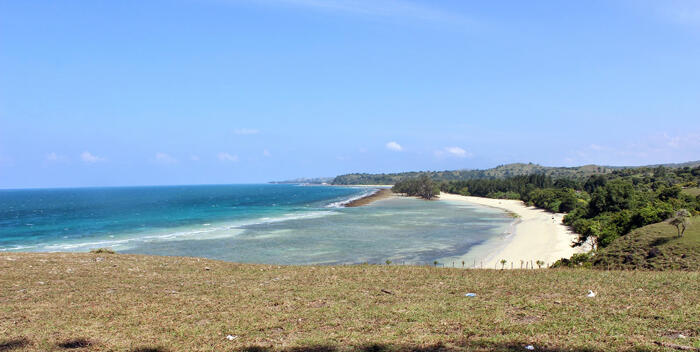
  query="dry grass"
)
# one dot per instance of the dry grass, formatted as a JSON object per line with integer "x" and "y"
{"x": 94, "y": 302}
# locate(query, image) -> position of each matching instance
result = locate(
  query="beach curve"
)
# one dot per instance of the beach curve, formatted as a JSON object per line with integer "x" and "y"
{"x": 537, "y": 234}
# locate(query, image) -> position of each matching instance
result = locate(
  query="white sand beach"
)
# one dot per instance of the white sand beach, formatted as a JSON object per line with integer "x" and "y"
{"x": 537, "y": 234}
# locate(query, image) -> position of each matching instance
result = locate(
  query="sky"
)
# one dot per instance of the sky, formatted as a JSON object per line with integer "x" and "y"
{"x": 159, "y": 92}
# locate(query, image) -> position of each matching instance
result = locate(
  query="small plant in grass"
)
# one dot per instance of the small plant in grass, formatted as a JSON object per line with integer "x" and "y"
{"x": 435, "y": 263}
{"x": 539, "y": 264}
{"x": 103, "y": 251}
{"x": 462, "y": 263}
{"x": 388, "y": 262}
{"x": 503, "y": 263}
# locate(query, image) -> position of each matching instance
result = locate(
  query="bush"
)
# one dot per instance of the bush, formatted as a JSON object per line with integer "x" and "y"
{"x": 103, "y": 251}
{"x": 578, "y": 260}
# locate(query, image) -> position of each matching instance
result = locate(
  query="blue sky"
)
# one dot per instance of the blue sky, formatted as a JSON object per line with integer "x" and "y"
{"x": 97, "y": 93}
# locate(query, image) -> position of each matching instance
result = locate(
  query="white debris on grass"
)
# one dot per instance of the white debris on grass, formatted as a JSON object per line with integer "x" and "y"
{"x": 591, "y": 294}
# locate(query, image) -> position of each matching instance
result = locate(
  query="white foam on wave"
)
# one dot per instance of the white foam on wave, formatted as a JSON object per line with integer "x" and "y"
{"x": 293, "y": 216}
{"x": 204, "y": 231}
{"x": 15, "y": 248}
{"x": 77, "y": 246}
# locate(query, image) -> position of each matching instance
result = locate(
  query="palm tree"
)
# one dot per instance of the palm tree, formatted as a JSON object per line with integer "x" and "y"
{"x": 539, "y": 264}
{"x": 503, "y": 263}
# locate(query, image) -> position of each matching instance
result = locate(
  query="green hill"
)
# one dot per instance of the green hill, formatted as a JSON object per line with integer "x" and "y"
{"x": 654, "y": 247}
{"x": 502, "y": 171}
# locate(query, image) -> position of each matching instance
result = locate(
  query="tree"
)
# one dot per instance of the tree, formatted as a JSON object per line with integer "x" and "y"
{"x": 680, "y": 221}
{"x": 503, "y": 264}
{"x": 539, "y": 264}
{"x": 421, "y": 186}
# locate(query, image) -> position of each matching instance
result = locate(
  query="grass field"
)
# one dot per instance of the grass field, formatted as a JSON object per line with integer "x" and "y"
{"x": 692, "y": 191}
{"x": 96, "y": 302}
{"x": 654, "y": 247}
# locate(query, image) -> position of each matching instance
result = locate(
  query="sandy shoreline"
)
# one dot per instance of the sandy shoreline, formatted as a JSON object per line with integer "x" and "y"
{"x": 537, "y": 234}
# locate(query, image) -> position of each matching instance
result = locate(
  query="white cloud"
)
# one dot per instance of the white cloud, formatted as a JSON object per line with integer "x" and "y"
{"x": 394, "y": 146}
{"x": 458, "y": 152}
{"x": 54, "y": 157}
{"x": 90, "y": 158}
{"x": 226, "y": 157}
{"x": 266, "y": 153}
{"x": 453, "y": 151}
{"x": 165, "y": 159}
{"x": 246, "y": 131}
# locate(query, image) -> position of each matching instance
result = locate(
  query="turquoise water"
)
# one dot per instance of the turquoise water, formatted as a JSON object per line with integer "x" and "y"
{"x": 276, "y": 224}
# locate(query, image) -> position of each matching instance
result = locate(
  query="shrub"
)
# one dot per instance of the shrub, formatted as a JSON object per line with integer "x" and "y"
{"x": 103, "y": 251}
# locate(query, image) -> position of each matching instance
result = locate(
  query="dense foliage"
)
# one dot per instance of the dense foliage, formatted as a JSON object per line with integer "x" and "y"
{"x": 600, "y": 208}
{"x": 422, "y": 186}
{"x": 499, "y": 172}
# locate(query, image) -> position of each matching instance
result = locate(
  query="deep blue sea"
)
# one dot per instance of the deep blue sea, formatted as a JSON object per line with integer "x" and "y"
{"x": 276, "y": 224}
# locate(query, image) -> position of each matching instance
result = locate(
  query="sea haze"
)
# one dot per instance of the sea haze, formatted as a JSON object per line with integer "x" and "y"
{"x": 275, "y": 224}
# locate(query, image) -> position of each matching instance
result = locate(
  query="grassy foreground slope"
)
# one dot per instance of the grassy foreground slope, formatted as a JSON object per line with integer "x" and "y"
{"x": 655, "y": 247}
{"x": 96, "y": 302}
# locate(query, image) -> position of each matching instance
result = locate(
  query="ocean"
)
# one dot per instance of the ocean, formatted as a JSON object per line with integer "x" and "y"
{"x": 272, "y": 224}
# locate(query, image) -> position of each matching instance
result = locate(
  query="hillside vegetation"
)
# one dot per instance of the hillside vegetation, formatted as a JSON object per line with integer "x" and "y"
{"x": 114, "y": 302}
{"x": 653, "y": 247}
{"x": 500, "y": 172}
